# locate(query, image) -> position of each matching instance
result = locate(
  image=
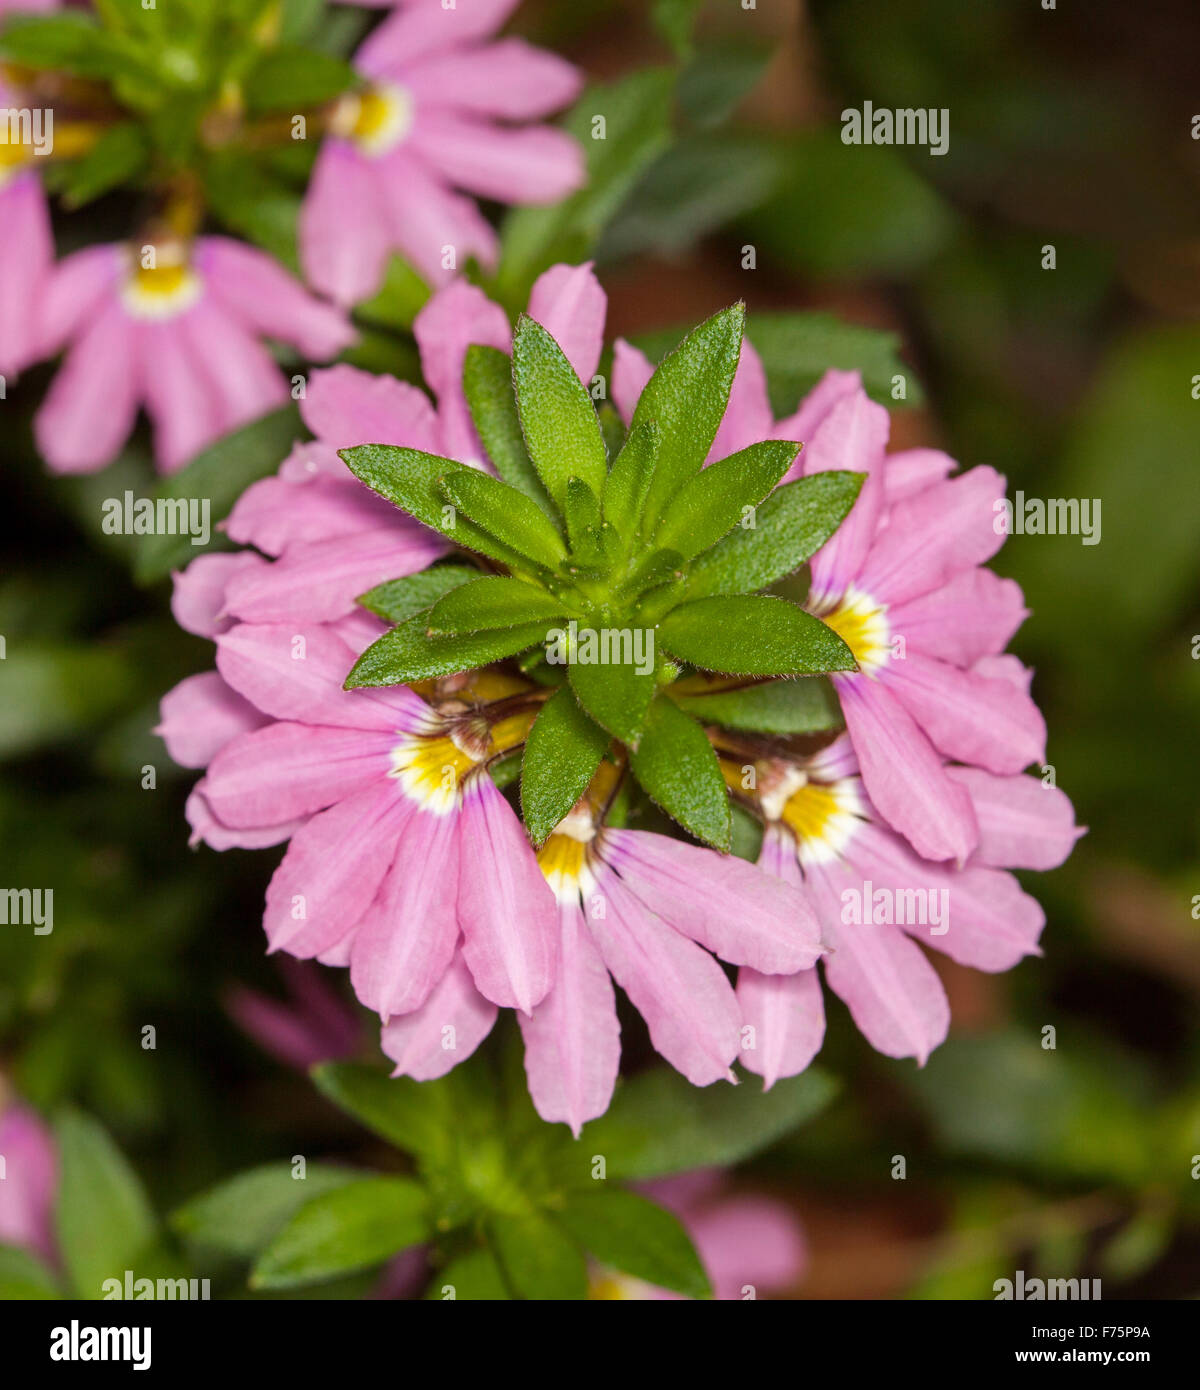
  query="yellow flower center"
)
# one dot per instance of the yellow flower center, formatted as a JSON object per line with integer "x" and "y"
{"x": 376, "y": 120}
{"x": 162, "y": 288}
{"x": 861, "y": 623}
{"x": 431, "y": 766}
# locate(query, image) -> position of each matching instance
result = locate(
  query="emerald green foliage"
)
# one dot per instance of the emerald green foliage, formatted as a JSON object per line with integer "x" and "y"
{"x": 612, "y": 568}
{"x": 506, "y": 1206}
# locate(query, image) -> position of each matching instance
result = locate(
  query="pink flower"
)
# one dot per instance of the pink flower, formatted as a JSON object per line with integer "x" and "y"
{"x": 400, "y": 842}
{"x": 314, "y": 1024}
{"x": 875, "y": 899}
{"x": 442, "y": 109}
{"x": 28, "y": 251}
{"x": 748, "y": 1244}
{"x": 647, "y": 910}
{"x": 30, "y": 1182}
{"x": 180, "y": 338}
{"x": 902, "y": 582}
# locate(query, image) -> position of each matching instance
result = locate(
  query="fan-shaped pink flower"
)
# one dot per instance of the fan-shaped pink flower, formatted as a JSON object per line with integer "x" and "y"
{"x": 876, "y": 899}
{"x": 399, "y": 839}
{"x": 902, "y": 582}
{"x": 179, "y": 337}
{"x": 443, "y": 108}
{"x": 647, "y": 910}
{"x": 30, "y": 1181}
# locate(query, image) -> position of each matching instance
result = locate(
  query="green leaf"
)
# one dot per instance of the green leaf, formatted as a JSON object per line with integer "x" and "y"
{"x": 686, "y": 397}
{"x": 119, "y": 156}
{"x": 616, "y": 694}
{"x": 240, "y": 1216}
{"x": 582, "y": 510}
{"x": 753, "y": 635}
{"x": 539, "y": 1259}
{"x": 398, "y": 300}
{"x": 103, "y": 1219}
{"x": 412, "y": 481}
{"x": 717, "y": 498}
{"x": 658, "y": 1124}
{"x": 357, "y": 1225}
{"x": 290, "y": 77}
{"x": 408, "y": 653}
{"x": 677, "y": 768}
{"x": 638, "y": 1237}
{"x": 790, "y": 526}
{"x": 397, "y": 600}
{"x": 488, "y": 387}
{"x": 558, "y": 418}
{"x": 218, "y": 475}
{"x": 629, "y": 479}
{"x": 507, "y": 514}
{"x": 414, "y": 1116}
{"x": 491, "y": 602}
{"x": 70, "y": 41}
{"x": 720, "y": 75}
{"x": 23, "y": 1277}
{"x": 562, "y": 753}
{"x": 253, "y": 201}
{"x": 636, "y": 115}
{"x": 474, "y": 1276}
{"x": 778, "y": 707}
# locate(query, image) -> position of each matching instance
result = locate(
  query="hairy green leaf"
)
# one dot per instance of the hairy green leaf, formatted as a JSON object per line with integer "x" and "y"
{"x": 397, "y": 600}
{"x": 721, "y": 495}
{"x": 562, "y": 753}
{"x": 507, "y": 514}
{"x": 488, "y": 386}
{"x": 409, "y": 653}
{"x": 753, "y": 635}
{"x": 677, "y": 768}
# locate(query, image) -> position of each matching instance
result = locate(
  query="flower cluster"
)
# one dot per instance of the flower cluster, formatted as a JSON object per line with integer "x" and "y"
{"x": 874, "y": 729}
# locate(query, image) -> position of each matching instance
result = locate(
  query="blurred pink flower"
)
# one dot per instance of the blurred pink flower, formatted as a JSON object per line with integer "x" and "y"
{"x": 30, "y": 1180}
{"x": 28, "y": 249}
{"x": 748, "y": 1244}
{"x": 824, "y": 834}
{"x": 314, "y": 1024}
{"x": 179, "y": 337}
{"x": 443, "y": 108}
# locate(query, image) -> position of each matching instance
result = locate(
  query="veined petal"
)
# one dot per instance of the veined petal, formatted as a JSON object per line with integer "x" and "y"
{"x": 345, "y": 406}
{"x": 1023, "y": 824}
{"x": 902, "y": 773}
{"x": 404, "y": 944}
{"x": 208, "y": 829}
{"x": 274, "y": 513}
{"x": 198, "y": 593}
{"x": 444, "y": 1031}
{"x": 975, "y": 614}
{"x": 426, "y": 218}
{"x": 730, "y": 907}
{"x": 573, "y": 1037}
{"x": 200, "y": 715}
{"x": 783, "y": 1022}
{"x": 505, "y": 906}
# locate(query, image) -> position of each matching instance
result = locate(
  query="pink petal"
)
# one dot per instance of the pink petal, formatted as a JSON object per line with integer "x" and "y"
{"x": 511, "y": 164}
{"x": 569, "y": 303}
{"x": 332, "y": 870}
{"x": 24, "y": 269}
{"x": 970, "y": 717}
{"x": 345, "y": 406}
{"x": 974, "y": 615}
{"x": 182, "y": 406}
{"x": 505, "y": 906}
{"x": 30, "y": 1182}
{"x": 255, "y": 288}
{"x": 427, "y": 218}
{"x": 198, "y": 596}
{"x": 787, "y": 1016}
{"x": 573, "y": 1038}
{"x": 452, "y": 320}
{"x": 415, "y": 30}
{"x": 681, "y": 992}
{"x": 207, "y": 828}
{"x": 405, "y": 943}
{"x": 891, "y": 990}
{"x": 73, "y": 294}
{"x": 91, "y": 406}
{"x": 730, "y": 907}
{"x": 318, "y": 581}
{"x": 298, "y": 675}
{"x": 1005, "y": 668}
{"x": 910, "y": 471}
{"x": 1023, "y": 824}
{"x": 444, "y": 1031}
{"x": 748, "y": 1241}
{"x": 933, "y": 535}
{"x": 343, "y": 236}
{"x": 274, "y": 514}
{"x": 812, "y": 411}
{"x": 200, "y": 715}
{"x": 903, "y": 775}
{"x": 748, "y": 417}
{"x": 631, "y": 370}
{"x": 510, "y": 80}
{"x": 851, "y": 437}
{"x": 287, "y": 771}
